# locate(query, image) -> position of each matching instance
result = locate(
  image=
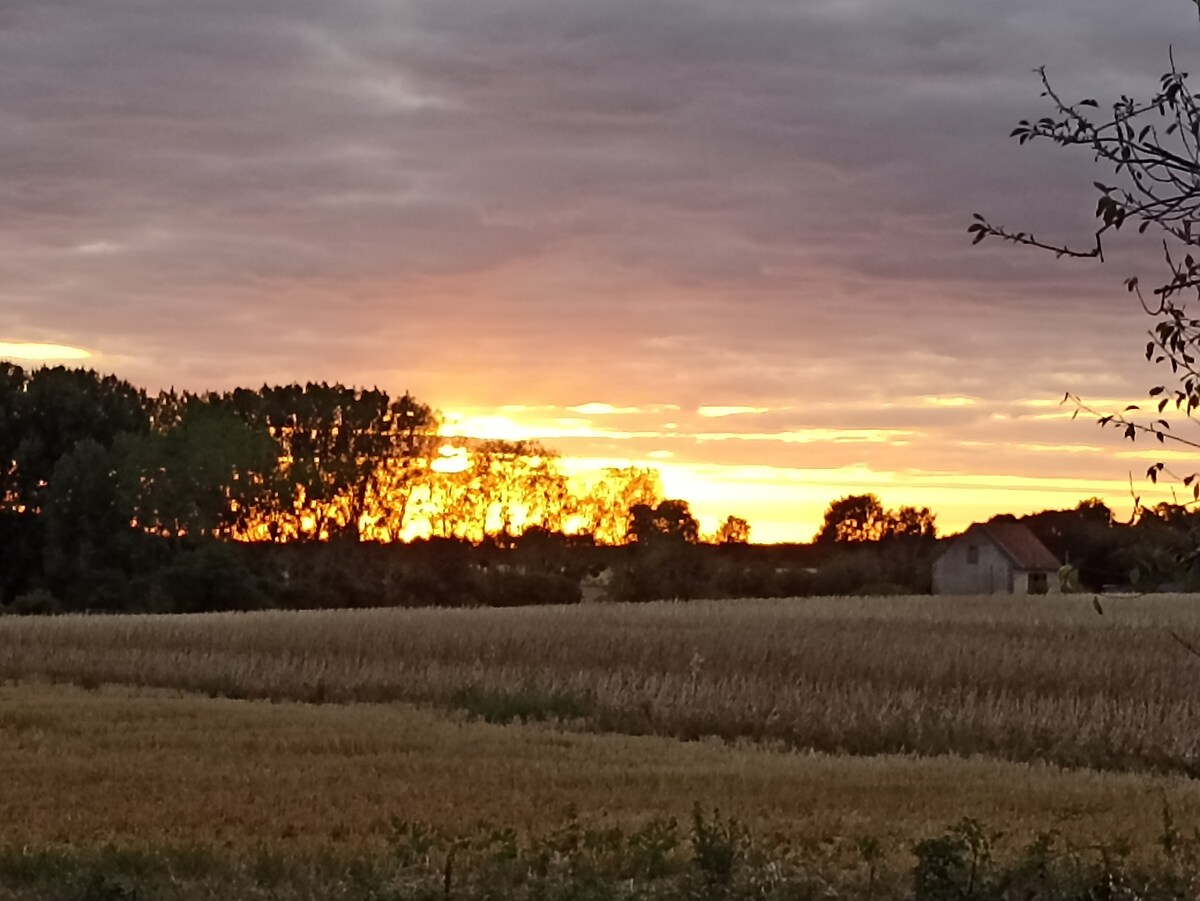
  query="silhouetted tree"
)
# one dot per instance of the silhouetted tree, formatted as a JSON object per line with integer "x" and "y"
{"x": 46, "y": 412}
{"x": 602, "y": 509}
{"x": 665, "y": 560}
{"x": 911, "y": 522}
{"x": 671, "y": 521}
{"x": 202, "y": 477}
{"x": 504, "y": 488}
{"x": 333, "y": 444}
{"x": 1153, "y": 149}
{"x": 861, "y": 518}
{"x": 734, "y": 530}
{"x": 1087, "y": 537}
{"x": 852, "y": 520}
{"x": 92, "y": 546}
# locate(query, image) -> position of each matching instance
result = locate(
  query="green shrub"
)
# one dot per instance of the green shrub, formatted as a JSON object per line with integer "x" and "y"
{"x": 529, "y": 705}
{"x": 954, "y": 866}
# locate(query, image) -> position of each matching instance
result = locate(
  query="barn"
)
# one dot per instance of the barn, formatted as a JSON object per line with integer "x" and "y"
{"x": 996, "y": 558}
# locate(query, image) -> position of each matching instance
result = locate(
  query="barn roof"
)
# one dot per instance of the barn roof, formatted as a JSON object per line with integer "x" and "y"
{"x": 1020, "y": 544}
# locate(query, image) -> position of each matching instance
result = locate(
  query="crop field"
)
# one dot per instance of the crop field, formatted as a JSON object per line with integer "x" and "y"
{"x": 1039, "y": 679}
{"x": 361, "y": 753}
{"x": 132, "y": 768}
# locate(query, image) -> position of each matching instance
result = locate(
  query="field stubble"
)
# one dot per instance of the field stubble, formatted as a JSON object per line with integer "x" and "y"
{"x": 1024, "y": 679}
{"x": 147, "y": 768}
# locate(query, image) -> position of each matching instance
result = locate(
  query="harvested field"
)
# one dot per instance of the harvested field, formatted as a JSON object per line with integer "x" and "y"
{"x": 139, "y": 768}
{"x": 1022, "y": 679}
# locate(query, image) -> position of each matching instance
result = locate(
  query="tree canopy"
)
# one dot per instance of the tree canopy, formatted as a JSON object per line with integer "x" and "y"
{"x": 861, "y": 518}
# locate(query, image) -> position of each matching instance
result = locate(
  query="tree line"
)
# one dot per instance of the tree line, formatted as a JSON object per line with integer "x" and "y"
{"x": 285, "y": 463}
{"x": 114, "y": 498}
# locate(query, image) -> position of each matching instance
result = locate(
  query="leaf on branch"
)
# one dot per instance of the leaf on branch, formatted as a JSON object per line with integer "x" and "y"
{"x": 1156, "y": 390}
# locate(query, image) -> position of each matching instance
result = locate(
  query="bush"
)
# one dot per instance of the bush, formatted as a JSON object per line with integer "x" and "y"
{"x": 954, "y": 866}
{"x": 36, "y": 602}
{"x": 528, "y": 705}
{"x": 506, "y": 588}
{"x": 717, "y": 845}
{"x": 210, "y": 577}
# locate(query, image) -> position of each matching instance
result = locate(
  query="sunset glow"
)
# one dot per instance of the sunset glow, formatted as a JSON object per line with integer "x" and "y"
{"x": 35, "y": 351}
{"x": 662, "y": 235}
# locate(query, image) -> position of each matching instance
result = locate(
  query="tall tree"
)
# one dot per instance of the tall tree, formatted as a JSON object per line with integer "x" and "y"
{"x": 603, "y": 508}
{"x": 861, "y": 518}
{"x": 12, "y": 386}
{"x": 334, "y": 447}
{"x": 734, "y": 530}
{"x": 504, "y": 488}
{"x": 91, "y": 541}
{"x": 53, "y": 410}
{"x": 671, "y": 521}
{"x": 202, "y": 477}
{"x": 853, "y": 520}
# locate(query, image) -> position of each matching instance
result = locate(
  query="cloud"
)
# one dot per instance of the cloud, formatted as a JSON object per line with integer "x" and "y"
{"x": 718, "y": 411}
{"x": 753, "y": 208}
{"x": 40, "y": 351}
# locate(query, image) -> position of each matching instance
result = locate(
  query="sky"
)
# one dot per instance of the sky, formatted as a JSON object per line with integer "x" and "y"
{"x": 726, "y": 238}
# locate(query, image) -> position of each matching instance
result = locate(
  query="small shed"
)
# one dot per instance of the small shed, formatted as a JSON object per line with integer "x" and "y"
{"x": 996, "y": 558}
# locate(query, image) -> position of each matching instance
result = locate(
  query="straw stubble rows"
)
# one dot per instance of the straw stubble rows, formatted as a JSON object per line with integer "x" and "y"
{"x": 148, "y": 768}
{"x": 1045, "y": 679}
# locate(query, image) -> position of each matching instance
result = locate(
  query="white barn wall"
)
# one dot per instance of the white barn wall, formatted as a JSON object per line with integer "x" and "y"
{"x": 992, "y": 574}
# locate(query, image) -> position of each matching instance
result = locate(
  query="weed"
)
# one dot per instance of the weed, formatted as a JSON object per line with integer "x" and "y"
{"x": 717, "y": 845}
{"x": 954, "y": 866}
{"x": 528, "y": 705}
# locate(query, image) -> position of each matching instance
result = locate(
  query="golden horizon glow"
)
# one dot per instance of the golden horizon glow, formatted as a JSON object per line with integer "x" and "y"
{"x": 714, "y": 412}
{"x": 41, "y": 351}
{"x": 949, "y": 400}
{"x": 451, "y": 459}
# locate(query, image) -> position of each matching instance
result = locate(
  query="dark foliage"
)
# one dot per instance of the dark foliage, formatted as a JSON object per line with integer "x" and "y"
{"x": 1150, "y": 151}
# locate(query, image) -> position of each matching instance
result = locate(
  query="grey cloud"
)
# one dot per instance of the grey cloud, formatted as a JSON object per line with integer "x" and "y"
{"x": 693, "y": 201}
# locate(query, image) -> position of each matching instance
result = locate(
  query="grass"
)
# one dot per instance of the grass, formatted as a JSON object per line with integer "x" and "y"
{"x": 1036, "y": 679}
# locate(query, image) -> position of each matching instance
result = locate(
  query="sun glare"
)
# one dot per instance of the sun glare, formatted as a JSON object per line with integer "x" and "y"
{"x": 38, "y": 351}
{"x": 716, "y": 412}
{"x": 451, "y": 459}
{"x": 503, "y": 428}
